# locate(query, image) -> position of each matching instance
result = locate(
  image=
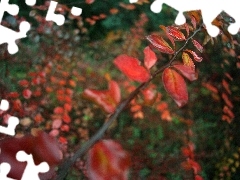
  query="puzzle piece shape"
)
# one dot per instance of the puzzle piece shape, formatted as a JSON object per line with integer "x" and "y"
{"x": 4, "y": 170}
{"x": 12, "y": 9}
{"x": 31, "y": 171}
{"x": 210, "y": 10}
{"x": 7, "y": 35}
{"x": 51, "y": 16}
{"x": 30, "y": 2}
{"x": 12, "y": 121}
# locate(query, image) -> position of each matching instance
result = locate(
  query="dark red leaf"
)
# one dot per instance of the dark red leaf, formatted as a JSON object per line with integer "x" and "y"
{"x": 159, "y": 43}
{"x": 131, "y": 68}
{"x": 175, "y": 86}
{"x": 150, "y": 58}
{"x": 195, "y": 56}
{"x": 197, "y": 45}
{"x": 107, "y": 160}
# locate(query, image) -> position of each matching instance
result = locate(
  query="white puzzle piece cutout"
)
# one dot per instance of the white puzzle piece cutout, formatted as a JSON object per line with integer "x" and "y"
{"x": 12, "y": 120}
{"x": 31, "y": 171}
{"x": 59, "y": 19}
{"x": 4, "y": 170}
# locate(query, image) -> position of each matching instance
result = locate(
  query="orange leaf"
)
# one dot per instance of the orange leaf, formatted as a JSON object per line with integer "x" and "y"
{"x": 150, "y": 57}
{"x": 186, "y": 71}
{"x": 107, "y": 160}
{"x": 187, "y": 61}
{"x": 175, "y": 33}
{"x": 175, "y": 86}
{"x": 159, "y": 43}
{"x": 131, "y": 68}
{"x": 197, "y": 45}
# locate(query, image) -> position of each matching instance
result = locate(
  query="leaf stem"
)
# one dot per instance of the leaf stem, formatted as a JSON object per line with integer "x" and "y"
{"x": 64, "y": 167}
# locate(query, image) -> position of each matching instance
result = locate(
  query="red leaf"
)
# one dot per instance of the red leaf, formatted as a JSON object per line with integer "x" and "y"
{"x": 27, "y": 93}
{"x": 175, "y": 86}
{"x": 197, "y": 45}
{"x": 150, "y": 58}
{"x": 66, "y": 118}
{"x": 89, "y": 1}
{"x": 23, "y": 83}
{"x": 13, "y": 95}
{"x": 169, "y": 37}
{"x": 107, "y": 160}
{"x": 227, "y": 100}
{"x": 159, "y": 43}
{"x": 195, "y": 56}
{"x": 186, "y": 71}
{"x": 175, "y": 33}
{"x": 131, "y": 68}
{"x": 58, "y": 110}
{"x": 106, "y": 99}
{"x": 187, "y": 28}
{"x": 150, "y": 95}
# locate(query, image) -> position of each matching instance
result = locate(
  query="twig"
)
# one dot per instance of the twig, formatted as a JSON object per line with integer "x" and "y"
{"x": 63, "y": 169}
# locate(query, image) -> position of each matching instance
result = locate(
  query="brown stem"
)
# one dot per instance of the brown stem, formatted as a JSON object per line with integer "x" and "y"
{"x": 63, "y": 169}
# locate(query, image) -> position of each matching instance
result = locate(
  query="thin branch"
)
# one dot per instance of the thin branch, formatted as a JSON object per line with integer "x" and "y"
{"x": 63, "y": 169}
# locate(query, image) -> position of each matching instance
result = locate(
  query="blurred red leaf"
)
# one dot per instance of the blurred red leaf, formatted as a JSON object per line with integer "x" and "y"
{"x": 197, "y": 45}
{"x": 127, "y": 6}
{"x": 159, "y": 43}
{"x": 42, "y": 146}
{"x": 210, "y": 87}
{"x": 175, "y": 33}
{"x": 226, "y": 86}
{"x": 228, "y": 112}
{"x": 107, "y": 160}
{"x": 186, "y": 71}
{"x": 198, "y": 177}
{"x": 131, "y": 67}
{"x": 58, "y": 110}
{"x": 150, "y": 57}
{"x": 66, "y": 118}
{"x": 175, "y": 86}
{"x": 23, "y": 83}
{"x": 227, "y": 100}
{"x": 106, "y": 99}
{"x": 13, "y": 95}
{"x": 89, "y": 1}
{"x": 27, "y": 93}
{"x": 150, "y": 95}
